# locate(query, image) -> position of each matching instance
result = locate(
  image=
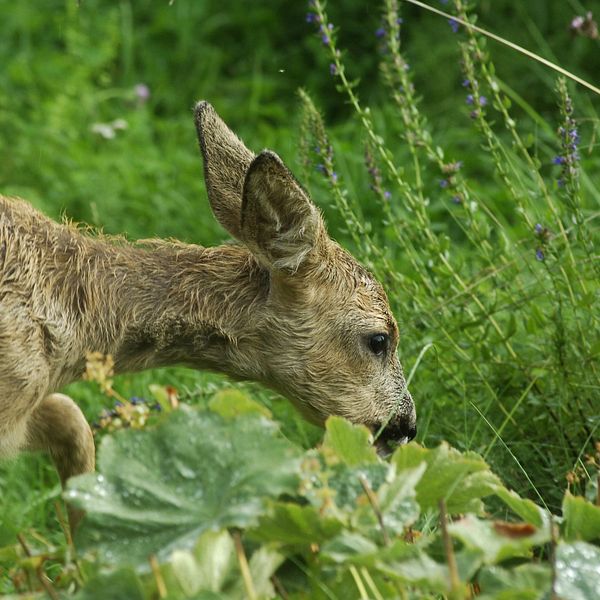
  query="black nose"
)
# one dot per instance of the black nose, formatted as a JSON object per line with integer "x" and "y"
{"x": 398, "y": 431}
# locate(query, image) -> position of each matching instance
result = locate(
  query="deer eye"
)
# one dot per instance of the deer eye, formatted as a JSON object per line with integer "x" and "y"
{"x": 379, "y": 343}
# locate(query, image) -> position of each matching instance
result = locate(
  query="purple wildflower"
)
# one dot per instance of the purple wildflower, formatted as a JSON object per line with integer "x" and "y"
{"x": 387, "y": 194}
{"x": 558, "y": 160}
{"x": 538, "y": 228}
{"x": 311, "y": 17}
{"x": 585, "y": 26}
{"x": 444, "y": 183}
{"x": 332, "y": 69}
{"x": 454, "y": 24}
{"x": 452, "y": 167}
{"x": 457, "y": 199}
{"x": 482, "y": 100}
{"x": 142, "y": 92}
{"x": 539, "y": 254}
{"x": 466, "y": 83}
{"x": 380, "y": 32}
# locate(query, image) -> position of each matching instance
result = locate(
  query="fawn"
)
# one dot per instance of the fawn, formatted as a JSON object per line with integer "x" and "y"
{"x": 285, "y": 306}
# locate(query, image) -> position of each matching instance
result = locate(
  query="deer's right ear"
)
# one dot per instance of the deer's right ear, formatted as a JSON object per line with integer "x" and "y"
{"x": 226, "y": 161}
{"x": 280, "y": 225}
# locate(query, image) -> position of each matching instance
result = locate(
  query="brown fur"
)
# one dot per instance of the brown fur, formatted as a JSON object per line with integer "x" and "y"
{"x": 287, "y": 307}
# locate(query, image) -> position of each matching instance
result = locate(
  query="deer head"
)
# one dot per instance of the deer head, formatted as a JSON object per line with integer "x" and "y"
{"x": 325, "y": 336}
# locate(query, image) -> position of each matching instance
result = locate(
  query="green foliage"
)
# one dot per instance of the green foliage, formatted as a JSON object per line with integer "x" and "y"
{"x": 228, "y": 506}
{"x": 155, "y": 490}
{"x": 487, "y": 250}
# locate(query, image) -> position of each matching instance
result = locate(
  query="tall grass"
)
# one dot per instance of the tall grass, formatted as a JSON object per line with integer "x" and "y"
{"x": 501, "y": 286}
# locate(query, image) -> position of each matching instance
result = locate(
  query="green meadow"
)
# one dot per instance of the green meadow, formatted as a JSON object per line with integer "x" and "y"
{"x": 464, "y": 173}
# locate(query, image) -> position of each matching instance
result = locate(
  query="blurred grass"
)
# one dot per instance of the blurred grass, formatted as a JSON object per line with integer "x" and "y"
{"x": 66, "y": 67}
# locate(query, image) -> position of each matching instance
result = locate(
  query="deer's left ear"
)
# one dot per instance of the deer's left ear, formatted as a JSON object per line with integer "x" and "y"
{"x": 226, "y": 161}
{"x": 280, "y": 224}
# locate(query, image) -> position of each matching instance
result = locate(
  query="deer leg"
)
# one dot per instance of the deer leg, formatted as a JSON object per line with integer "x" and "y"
{"x": 57, "y": 426}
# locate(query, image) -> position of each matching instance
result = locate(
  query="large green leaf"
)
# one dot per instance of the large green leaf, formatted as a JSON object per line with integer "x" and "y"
{"x": 581, "y": 519}
{"x": 122, "y": 584}
{"x": 497, "y": 541}
{"x": 349, "y": 442}
{"x": 158, "y": 490}
{"x": 396, "y": 504}
{"x": 213, "y": 568}
{"x": 526, "y": 509}
{"x": 578, "y": 571}
{"x": 525, "y": 582}
{"x": 207, "y": 567}
{"x": 292, "y": 524}
{"x": 460, "y": 479}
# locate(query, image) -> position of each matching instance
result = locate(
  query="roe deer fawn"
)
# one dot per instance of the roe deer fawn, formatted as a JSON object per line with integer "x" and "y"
{"x": 286, "y": 306}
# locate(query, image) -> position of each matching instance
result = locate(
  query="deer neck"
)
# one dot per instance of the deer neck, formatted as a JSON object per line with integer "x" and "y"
{"x": 192, "y": 306}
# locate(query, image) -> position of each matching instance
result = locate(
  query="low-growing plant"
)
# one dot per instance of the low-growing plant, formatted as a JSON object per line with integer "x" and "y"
{"x": 216, "y": 503}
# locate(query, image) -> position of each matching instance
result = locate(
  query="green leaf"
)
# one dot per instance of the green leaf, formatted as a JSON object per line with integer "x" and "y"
{"x": 395, "y": 501}
{"x": 578, "y": 571}
{"x": 206, "y": 568}
{"x": 158, "y": 490}
{"x": 350, "y": 547}
{"x": 525, "y": 582}
{"x": 410, "y": 564}
{"x": 581, "y": 519}
{"x": 213, "y": 568}
{"x": 122, "y": 584}
{"x": 292, "y": 524}
{"x": 526, "y": 509}
{"x": 494, "y": 542}
{"x": 591, "y": 487}
{"x": 263, "y": 564}
{"x": 460, "y": 479}
{"x": 349, "y": 442}
{"x": 230, "y": 403}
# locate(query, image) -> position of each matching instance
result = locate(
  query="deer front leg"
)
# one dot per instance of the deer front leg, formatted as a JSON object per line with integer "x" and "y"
{"x": 57, "y": 426}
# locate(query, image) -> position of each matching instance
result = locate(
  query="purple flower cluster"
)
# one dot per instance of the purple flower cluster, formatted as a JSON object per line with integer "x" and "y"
{"x": 448, "y": 182}
{"x": 382, "y": 34}
{"x": 133, "y": 413}
{"x": 326, "y": 165}
{"x": 569, "y": 137}
{"x": 543, "y": 235}
{"x": 375, "y": 174}
{"x": 454, "y": 25}
{"x": 474, "y": 99}
{"x": 471, "y": 100}
{"x": 324, "y": 30}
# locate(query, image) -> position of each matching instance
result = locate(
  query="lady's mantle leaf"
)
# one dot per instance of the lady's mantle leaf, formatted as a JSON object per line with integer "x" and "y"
{"x": 158, "y": 490}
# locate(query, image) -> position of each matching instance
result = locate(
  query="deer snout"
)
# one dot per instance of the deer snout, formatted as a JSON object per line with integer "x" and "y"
{"x": 400, "y": 432}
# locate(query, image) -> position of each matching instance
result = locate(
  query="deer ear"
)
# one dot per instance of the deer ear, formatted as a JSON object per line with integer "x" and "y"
{"x": 226, "y": 161}
{"x": 280, "y": 225}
